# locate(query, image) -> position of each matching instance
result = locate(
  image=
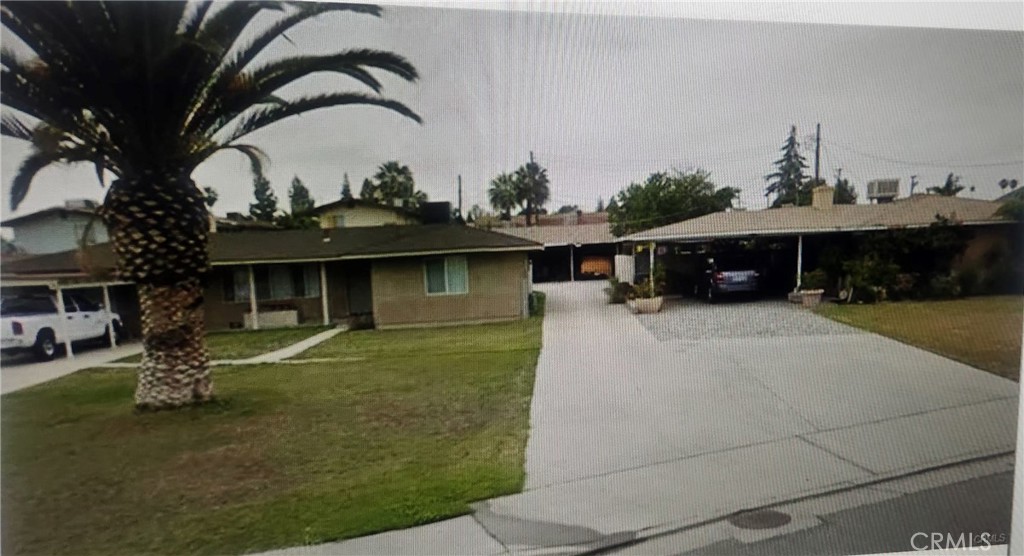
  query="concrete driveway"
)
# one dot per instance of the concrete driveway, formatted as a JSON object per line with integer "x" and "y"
{"x": 642, "y": 422}
{"x": 20, "y": 372}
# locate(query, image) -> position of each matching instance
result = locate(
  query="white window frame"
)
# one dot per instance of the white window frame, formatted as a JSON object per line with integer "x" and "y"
{"x": 447, "y": 281}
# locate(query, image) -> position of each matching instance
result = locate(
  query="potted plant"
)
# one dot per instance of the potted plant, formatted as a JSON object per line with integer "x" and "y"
{"x": 647, "y": 295}
{"x": 812, "y": 287}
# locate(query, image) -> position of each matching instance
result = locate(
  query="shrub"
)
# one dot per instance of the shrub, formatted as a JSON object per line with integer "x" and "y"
{"x": 870, "y": 277}
{"x": 969, "y": 281}
{"x": 617, "y": 291}
{"x": 943, "y": 287}
{"x": 537, "y": 302}
{"x": 814, "y": 280}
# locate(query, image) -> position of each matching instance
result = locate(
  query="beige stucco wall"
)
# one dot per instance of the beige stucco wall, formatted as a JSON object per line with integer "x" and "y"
{"x": 362, "y": 217}
{"x": 497, "y": 289}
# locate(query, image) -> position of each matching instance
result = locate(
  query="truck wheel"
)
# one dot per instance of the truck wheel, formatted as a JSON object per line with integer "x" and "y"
{"x": 45, "y": 347}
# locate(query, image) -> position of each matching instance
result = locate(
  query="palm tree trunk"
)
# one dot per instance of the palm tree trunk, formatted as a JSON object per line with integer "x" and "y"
{"x": 175, "y": 369}
{"x": 160, "y": 230}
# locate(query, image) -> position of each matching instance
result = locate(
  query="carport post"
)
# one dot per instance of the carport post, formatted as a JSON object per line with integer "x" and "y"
{"x": 253, "y": 310}
{"x": 110, "y": 326}
{"x": 799, "y": 260}
{"x": 572, "y": 265}
{"x": 324, "y": 305}
{"x": 62, "y": 317}
{"x": 650, "y": 276}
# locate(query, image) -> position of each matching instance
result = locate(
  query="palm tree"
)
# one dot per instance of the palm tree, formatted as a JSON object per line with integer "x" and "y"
{"x": 502, "y": 195}
{"x": 393, "y": 182}
{"x": 532, "y": 191}
{"x": 147, "y": 91}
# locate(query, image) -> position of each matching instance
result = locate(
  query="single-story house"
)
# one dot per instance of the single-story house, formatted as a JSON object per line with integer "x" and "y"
{"x": 390, "y": 276}
{"x": 797, "y": 235}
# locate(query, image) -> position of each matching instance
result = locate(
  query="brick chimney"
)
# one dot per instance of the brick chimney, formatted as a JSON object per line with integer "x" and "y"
{"x": 821, "y": 197}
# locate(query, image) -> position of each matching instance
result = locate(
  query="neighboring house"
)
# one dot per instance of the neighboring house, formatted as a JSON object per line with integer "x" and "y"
{"x": 57, "y": 229}
{"x": 392, "y": 276}
{"x": 359, "y": 213}
{"x": 571, "y": 251}
{"x": 797, "y": 235}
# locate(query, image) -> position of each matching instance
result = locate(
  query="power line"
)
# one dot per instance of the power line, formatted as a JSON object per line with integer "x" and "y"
{"x": 928, "y": 164}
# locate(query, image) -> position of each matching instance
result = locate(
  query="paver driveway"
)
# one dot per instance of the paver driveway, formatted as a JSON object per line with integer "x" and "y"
{"x": 616, "y": 391}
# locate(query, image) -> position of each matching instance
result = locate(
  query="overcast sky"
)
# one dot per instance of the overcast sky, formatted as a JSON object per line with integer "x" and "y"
{"x": 605, "y": 100}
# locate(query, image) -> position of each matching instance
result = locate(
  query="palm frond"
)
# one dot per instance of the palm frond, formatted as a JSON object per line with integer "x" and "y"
{"x": 193, "y": 21}
{"x": 249, "y": 88}
{"x": 266, "y": 116}
{"x": 11, "y": 126}
{"x": 26, "y": 173}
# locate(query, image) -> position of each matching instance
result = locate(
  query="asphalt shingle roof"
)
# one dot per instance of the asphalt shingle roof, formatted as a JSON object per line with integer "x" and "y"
{"x": 914, "y": 211}
{"x": 578, "y": 234}
{"x": 299, "y": 245}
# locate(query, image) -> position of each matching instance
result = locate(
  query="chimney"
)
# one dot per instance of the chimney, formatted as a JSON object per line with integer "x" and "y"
{"x": 821, "y": 197}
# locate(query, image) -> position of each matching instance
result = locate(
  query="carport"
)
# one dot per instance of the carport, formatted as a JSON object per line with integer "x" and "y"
{"x": 790, "y": 240}
{"x": 117, "y": 296}
{"x": 571, "y": 252}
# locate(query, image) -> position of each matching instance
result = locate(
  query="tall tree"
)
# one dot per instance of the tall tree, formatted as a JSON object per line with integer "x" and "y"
{"x": 147, "y": 91}
{"x": 299, "y": 198}
{"x": 368, "y": 191}
{"x": 532, "y": 189}
{"x": 502, "y": 195}
{"x": 787, "y": 181}
{"x": 567, "y": 209}
{"x": 600, "y": 205}
{"x": 394, "y": 182}
{"x": 265, "y": 207}
{"x": 951, "y": 188}
{"x": 612, "y": 204}
{"x": 845, "y": 193}
{"x": 210, "y": 196}
{"x": 666, "y": 198}
{"x": 301, "y": 204}
{"x": 346, "y": 188}
{"x": 475, "y": 212}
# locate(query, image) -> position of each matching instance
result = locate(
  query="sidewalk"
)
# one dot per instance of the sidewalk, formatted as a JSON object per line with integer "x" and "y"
{"x": 491, "y": 534}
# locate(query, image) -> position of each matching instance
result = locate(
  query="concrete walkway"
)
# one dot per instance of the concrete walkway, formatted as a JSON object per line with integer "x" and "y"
{"x": 646, "y": 424}
{"x": 18, "y": 376}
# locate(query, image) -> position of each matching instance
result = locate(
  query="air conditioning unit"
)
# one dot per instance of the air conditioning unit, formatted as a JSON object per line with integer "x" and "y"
{"x": 883, "y": 191}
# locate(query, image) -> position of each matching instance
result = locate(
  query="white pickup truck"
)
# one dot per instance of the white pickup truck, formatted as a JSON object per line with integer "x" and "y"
{"x": 31, "y": 323}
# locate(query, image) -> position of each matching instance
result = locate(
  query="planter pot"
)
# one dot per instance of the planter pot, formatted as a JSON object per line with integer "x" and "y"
{"x": 811, "y": 298}
{"x": 649, "y": 305}
{"x": 795, "y": 297}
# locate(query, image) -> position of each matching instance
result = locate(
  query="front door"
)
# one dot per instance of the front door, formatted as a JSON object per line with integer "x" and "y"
{"x": 360, "y": 294}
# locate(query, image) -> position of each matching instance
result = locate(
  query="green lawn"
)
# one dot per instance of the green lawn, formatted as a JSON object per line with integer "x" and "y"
{"x": 293, "y": 454}
{"x": 984, "y": 332}
{"x": 242, "y": 344}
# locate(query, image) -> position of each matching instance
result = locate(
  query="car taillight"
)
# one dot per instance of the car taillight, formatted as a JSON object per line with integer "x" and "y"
{"x": 719, "y": 277}
{"x": 17, "y": 328}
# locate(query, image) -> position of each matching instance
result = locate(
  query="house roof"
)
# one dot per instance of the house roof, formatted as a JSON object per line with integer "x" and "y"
{"x": 63, "y": 212}
{"x": 550, "y": 236}
{"x": 299, "y": 246}
{"x": 350, "y": 203}
{"x": 914, "y": 211}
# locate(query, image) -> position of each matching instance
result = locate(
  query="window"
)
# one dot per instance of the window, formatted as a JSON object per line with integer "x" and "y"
{"x": 85, "y": 304}
{"x": 447, "y": 276}
{"x": 273, "y": 282}
{"x": 339, "y": 220}
{"x": 69, "y": 304}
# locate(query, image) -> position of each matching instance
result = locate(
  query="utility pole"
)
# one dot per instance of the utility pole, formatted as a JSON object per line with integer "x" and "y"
{"x": 529, "y": 200}
{"x": 817, "y": 153}
{"x": 460, "y": 195}
{"x": 913, "y": 184}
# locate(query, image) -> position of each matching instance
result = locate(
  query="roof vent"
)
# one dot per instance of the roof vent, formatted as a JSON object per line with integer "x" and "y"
{"x": 883, "y": 191}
